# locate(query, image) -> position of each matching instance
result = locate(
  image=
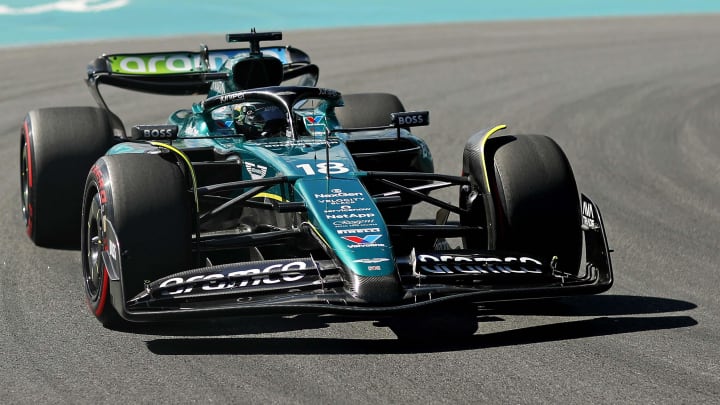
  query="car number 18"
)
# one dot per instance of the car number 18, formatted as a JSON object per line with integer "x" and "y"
{"x": 324, "y": 168}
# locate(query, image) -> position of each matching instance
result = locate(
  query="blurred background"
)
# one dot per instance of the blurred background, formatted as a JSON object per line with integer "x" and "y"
{"x": 25, "y": 22}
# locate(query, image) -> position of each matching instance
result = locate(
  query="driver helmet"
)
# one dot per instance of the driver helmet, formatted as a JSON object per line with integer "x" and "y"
{"x": 258, "y": 120}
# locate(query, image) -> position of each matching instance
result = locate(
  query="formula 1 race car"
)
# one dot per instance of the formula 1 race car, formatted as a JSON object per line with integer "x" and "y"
{"x": 272, "y": 195}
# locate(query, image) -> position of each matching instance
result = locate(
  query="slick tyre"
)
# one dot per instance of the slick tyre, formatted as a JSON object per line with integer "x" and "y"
{"x": 536, "y": 199}
{"x": 362, "y": 110}
{"x": 57, "y": 148}
{"x": 368, "y": 109}
{"x": 137, "y": 226}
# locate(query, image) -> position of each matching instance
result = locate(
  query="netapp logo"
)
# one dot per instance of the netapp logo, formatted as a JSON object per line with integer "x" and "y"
{"x": 350, "y": 216}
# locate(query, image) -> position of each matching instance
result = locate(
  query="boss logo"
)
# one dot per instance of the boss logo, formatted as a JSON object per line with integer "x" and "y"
{"x": 154, "y": 132}
{"x": 157, "y": 133}
{"x": 411, "y": 119}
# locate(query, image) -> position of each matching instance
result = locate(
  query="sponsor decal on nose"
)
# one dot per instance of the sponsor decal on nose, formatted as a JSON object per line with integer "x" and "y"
{"x": 361, "y": 240}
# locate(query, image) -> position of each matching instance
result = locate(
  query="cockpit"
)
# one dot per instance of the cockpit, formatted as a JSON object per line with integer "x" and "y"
{"x": 252, "y": 119}
{"x": 274, "y": 112}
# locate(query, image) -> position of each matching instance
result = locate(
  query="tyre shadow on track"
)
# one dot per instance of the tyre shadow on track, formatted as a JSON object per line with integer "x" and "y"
{"x": 613, "y": 315}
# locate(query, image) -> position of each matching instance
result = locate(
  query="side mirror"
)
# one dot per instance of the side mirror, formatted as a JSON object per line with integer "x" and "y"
{"x": 410, "y": 119}
{"x": 154, "y": 132}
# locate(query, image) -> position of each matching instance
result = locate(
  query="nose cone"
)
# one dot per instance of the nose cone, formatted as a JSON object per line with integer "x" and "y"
{"x": 345, "y": 215}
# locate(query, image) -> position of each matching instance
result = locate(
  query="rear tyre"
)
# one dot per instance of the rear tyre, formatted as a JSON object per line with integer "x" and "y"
{"x": 373, "y": 110}
{"x": 368, "y": 109}
{"x": 144, "y": 200}
{"x": 57, "y": 148}
{"x": 536, "y": 199}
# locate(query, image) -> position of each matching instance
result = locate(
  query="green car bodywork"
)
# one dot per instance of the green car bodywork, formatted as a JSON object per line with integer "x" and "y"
{"x": 287, "y": 208}
{"x": 314, "y": 158}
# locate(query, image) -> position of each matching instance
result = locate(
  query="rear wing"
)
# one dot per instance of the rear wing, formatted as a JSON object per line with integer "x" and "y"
{"x": 186, "y": 73}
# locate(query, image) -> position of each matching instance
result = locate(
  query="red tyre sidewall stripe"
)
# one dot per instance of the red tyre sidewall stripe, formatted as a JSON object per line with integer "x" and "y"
{"x": 28, "y": 151}
{"x": 29, "y": 154}
{"x": 103, "y": 293}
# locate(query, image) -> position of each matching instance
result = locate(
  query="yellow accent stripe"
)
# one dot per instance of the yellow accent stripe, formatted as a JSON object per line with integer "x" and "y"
{"x": 189, "y": 165}
{"x": 317, "y": 233}
{"x": 487, "y": 135}
{"x": 270, "y": 196}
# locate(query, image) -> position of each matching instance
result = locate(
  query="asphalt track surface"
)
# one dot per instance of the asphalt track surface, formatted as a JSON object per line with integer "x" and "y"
{"x": 634, "y": 102}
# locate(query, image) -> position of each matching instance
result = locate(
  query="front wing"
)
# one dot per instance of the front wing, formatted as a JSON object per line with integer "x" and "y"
{"x": 305, "y": 285}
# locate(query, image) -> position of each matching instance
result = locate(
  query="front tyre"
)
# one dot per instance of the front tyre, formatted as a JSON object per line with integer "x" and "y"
{"x": 537, "y": 202}
{"x": 137, "y": 226}
{"x": 95, "y": 273}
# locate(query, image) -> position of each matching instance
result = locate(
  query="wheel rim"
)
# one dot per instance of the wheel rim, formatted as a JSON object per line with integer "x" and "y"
{"x": 94, "y": 245}
{"x": 24, "y": 181}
